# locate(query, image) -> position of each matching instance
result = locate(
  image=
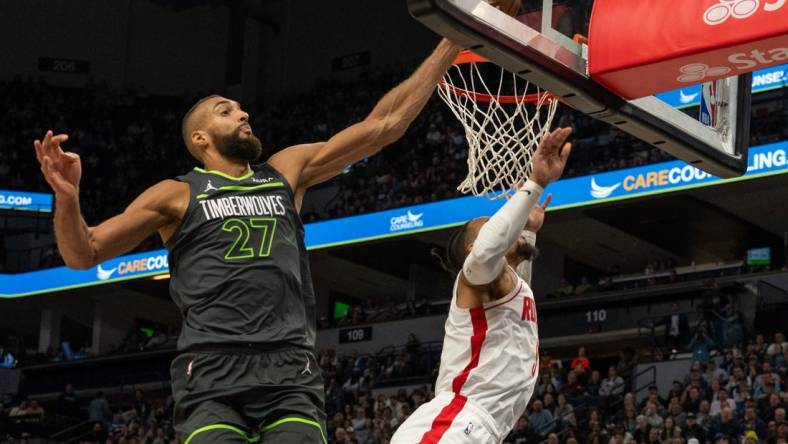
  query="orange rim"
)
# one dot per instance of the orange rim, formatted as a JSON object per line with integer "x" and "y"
{"x": 467, "y": 56}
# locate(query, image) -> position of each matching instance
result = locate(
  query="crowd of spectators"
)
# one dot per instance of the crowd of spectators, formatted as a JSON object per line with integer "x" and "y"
{"x": 126, "y": 419}
{"x": 730, "y": 396}
{"x": 121, "y": 133}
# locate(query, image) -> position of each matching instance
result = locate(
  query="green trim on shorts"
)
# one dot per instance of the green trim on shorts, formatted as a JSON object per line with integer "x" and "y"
{"x": 221, "y": 426}
{"x": 295, "y": 419}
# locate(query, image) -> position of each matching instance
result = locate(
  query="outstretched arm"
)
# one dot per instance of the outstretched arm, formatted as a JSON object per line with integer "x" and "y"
{"x": 82, "y": 246}
{"x": 310, "y": 164}
{"x": 523, "y": 265}
{"x": 486, "y": 261}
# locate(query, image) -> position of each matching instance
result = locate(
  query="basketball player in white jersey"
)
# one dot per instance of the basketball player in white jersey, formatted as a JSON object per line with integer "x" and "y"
{"x": 489, "y": 364}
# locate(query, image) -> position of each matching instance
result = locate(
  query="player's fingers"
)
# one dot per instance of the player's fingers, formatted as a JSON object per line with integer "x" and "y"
{"x": 564, "y": 154}
{"x": 547, "y": 201}
{"x": 52, "y": 176}
{"x": 37, "y": 147}
{"x": 71, "y": 157}
{"x": 562, "y": 135}
{"x": 550, "y": 141}
{"x": 47, "y": 143}
{"x": 57, "y": 140}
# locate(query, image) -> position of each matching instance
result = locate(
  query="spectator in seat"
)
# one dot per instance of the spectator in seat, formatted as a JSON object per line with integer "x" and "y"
{"x": 594, "y": 384}
{"x": 341, "y": 436}
{"x": 750, "y": 437}
{"x": 653, "y": 396}
{"x": 573, "y": 389}
{"x": 767, "y": 374}
{"x": 641, "y": 432}
{"x": 715, "y": 373}
{"x": 629, "y": 421}
{"x": 752, "y": 422}
{"x": 704, "y": 419}
{"x": 725, "y": 424}
{"x": 98, "y": 434}
{"x": 675, "y": 412}
{"x": 721, "y": 438}
{"x": 761, "y": 346}
{"x": 613, "y": 384}
{"x": 701, "y": 345}
{"x": 359, "y": 423}
{"x": 769, "y": 408}
{"x": 778, "y": 346}
{"x": 540, "y": 419}
{"x": 670, "y": 430}
{"x": 565, "y": 412}
{"x": 522, "y": 433}
{"x": 721, "y": 402}
{"x": 653, "y": 419}
{"x": 580, "y": 360}
{"x": 654, "y": 436}
{"x": 693, "y": 430}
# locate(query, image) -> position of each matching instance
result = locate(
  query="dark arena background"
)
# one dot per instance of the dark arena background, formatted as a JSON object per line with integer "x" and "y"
{"x": 662, "y": 292}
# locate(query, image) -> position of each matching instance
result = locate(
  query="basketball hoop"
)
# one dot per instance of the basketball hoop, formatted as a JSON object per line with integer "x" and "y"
{"x": 503, "y": 130}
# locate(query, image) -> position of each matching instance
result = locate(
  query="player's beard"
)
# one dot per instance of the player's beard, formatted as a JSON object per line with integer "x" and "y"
{"x": 233, "y": 146}
{"x": 526, "y": 251}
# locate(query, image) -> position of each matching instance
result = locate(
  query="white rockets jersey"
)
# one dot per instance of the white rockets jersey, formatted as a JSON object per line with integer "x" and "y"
{"x": 491, "y": 355}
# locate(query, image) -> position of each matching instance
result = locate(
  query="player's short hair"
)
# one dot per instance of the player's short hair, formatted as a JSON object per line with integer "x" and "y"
{"x": 455, "y": 249}
{"x": 187, "y": 123}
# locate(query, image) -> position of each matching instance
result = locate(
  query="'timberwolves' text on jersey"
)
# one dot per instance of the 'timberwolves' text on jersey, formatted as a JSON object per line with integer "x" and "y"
{"x": 238, "y": 264}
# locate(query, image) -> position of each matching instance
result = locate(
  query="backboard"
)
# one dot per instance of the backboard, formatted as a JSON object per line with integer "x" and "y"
{"x": 545, "y": 45}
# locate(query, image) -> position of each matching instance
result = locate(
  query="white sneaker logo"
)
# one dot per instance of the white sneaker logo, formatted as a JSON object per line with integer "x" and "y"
{"x": 695, "y": 72}
{"x": 103, "y": 274}
{"x": 210, "y": 187}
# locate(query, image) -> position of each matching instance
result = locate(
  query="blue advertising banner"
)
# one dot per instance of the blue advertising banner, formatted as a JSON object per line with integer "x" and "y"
{"x": 594, "y": 189}
{"x": 762, "y": 80}
{"x": 21, "y": 200}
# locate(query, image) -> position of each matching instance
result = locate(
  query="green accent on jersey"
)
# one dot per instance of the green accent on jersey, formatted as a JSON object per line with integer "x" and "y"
{"x": 201, "y": 196}
{"x": 243, "y": 277}
{"x": 237, "y": 252}
{"x": 265, "y": 223}
{"x": 226, "y": 176}
{"x": 221, "y": 427}
{"x": 254, "y": 187}
{"x": 299, "y": 420}
{"x": 240, "y": 248}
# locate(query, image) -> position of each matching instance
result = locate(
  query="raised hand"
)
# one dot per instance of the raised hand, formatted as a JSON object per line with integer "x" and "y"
{"x": 551, "y": 156}
{"x": 536, "y": 218}
{"x": 62, "y": 170}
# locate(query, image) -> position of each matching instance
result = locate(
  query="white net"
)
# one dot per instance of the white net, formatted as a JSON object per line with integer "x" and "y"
{"x": 503, "y": 131}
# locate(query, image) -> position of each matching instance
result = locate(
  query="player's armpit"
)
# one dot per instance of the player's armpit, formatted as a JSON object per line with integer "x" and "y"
{"x": 159, "y": 208}
{"x": 310, "y": 164}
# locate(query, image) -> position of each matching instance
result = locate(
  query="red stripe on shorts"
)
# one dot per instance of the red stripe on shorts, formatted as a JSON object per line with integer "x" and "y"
{"x": 446, "y": 416}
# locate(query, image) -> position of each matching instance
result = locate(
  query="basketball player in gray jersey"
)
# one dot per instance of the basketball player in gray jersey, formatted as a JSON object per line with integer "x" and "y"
{"x": 246, "y": 370}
